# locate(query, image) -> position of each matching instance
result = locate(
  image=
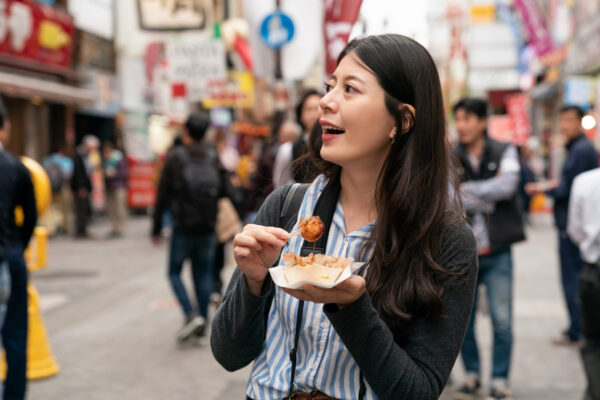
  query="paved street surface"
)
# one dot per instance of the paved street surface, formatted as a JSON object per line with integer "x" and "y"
{"x": 111, "y": 320}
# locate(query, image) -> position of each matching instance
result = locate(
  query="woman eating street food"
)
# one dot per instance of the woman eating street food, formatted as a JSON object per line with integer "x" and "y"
{"x": 386, "y": 197}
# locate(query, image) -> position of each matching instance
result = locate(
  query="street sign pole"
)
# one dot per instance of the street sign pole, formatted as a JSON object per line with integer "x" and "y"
{"x": 278, "y": 72}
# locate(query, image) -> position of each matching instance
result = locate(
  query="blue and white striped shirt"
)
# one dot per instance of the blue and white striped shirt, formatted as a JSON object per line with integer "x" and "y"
{"x": 323, "y": 362}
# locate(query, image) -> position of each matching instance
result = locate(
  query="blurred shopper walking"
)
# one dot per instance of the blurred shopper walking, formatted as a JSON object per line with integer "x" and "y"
{"x": 115, "y": 175}
{"x": 490, "y": 176}
{"x": 584, "y": 229}
{"x": 289, "y": 133}
{"x": 59, "y": 167}
{"x": 191, "y": 183}
{"x": 581, "y": 157}
{"x": 81, "y": 184}
{"x": 527, "y": 176}
{"x": 17, "y": 190}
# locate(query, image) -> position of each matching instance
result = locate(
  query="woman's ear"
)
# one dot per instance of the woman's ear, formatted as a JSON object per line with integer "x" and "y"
{"x": 408, "y": 115}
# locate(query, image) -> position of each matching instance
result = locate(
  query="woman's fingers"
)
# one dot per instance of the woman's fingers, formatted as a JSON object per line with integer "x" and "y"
{"x": 275, "y": 237}
{"x": 248, "y": 241}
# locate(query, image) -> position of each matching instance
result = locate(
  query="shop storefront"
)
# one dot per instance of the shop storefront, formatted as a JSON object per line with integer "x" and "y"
{"x": 37, "y": 82}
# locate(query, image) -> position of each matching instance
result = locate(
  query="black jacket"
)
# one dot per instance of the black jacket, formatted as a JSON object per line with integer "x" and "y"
{"x": 17, "y": 190}
{"x": 581, "y": 157}
{"x": 505, "y": 224}
{"x": 80, "y": 179}
{"x": 171, "y": 176}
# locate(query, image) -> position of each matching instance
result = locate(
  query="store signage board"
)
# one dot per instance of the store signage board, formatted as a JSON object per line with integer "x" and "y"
{"x": 235, "y": 92}
{"x": 277, "y": 29}
{"x": 36, "y": 33}
{"x": 195, "y": 62}
{"x": 169, "y": 15}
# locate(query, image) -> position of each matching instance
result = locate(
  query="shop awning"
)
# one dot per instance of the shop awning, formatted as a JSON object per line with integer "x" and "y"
{"x": 26, "y": 87}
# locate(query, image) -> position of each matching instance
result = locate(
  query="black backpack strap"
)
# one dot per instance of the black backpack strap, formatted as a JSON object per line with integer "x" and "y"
{"x": 291, "y": 205}
{"x": 294, "y": 351}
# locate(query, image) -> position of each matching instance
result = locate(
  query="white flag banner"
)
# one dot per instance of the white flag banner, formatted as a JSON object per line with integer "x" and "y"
{"x": 300, "y": 55}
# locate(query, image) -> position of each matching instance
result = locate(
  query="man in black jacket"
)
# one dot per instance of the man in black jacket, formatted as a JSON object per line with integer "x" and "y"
{"x": 581, "y": 157}
{"x": 191, "y": 184}
{"x": 81, "y": 184}
{"x": 17, "y": 190}
{"x": 490, "y": 175}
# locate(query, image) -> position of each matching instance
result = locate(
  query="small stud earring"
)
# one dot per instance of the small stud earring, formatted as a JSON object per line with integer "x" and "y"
{"x": 394, "y": 135}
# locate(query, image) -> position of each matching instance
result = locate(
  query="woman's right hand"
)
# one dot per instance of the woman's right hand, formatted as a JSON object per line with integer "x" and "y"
{"x": 255, "y": 249}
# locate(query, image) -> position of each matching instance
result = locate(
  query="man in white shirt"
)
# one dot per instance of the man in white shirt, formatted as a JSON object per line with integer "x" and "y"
{"x": 282, "y": 169}
{"x": 584, "y": 229}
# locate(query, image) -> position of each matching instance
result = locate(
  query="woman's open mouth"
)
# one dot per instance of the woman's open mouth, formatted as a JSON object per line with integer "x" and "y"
{"x": 330, "y": 131}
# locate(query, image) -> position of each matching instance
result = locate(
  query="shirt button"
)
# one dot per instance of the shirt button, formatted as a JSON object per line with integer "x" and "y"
{"x": 324, "y": 324}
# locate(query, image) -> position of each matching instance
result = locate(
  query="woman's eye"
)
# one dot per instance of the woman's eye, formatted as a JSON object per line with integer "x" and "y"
{"x": 349, "y": 89}
{"x": 327, "y": 87}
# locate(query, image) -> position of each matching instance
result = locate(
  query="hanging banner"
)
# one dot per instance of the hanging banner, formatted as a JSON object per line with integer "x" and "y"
{"x": 539, "y": 35}
{"x": 36, "y": 33}
{"x": 340, "y": 16}
{"x": 517, "y": 107}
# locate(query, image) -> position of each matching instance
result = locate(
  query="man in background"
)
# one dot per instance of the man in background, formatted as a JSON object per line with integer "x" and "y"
{"x": 191, "y": 184}
{"x": 490, "y": 179}
{"x": 115, "y": 175}
{"x": 17, "y": 190}
{"x": 581, "y": 157}
{"x": 81, "y": 184}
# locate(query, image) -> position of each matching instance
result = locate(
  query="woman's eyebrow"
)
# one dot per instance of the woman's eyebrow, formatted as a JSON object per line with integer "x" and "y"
{"x": 353, "y": 78}
{"x": 347, "y": 78}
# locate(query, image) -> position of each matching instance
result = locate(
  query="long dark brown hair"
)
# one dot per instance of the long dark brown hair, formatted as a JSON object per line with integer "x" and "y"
{"x": 414, "y": 196}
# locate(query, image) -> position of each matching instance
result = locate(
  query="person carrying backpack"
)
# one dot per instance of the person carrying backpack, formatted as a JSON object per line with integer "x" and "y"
{"x": 191, "y": 184}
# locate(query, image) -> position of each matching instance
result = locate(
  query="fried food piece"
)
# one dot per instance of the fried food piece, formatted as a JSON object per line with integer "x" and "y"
{"x": 312, "y": 228}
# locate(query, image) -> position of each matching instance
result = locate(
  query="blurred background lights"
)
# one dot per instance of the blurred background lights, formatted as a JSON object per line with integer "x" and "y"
{"x": 588, "y": 122}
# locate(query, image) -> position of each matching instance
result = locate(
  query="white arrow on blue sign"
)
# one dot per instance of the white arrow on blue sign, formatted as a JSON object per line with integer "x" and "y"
{"x": 277, "y": 29}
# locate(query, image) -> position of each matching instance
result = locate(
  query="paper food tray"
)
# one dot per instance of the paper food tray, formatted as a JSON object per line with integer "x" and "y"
{"x": 280, "y": 280}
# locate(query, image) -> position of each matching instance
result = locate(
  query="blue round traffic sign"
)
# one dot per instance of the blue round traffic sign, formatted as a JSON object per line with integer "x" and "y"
{"x": 277, "y": 29}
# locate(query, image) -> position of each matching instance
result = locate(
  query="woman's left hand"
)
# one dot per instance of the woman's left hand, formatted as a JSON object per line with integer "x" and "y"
{"x": 343, "y": 294}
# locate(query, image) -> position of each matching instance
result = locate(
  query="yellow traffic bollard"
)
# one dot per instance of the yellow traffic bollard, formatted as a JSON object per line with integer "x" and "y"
{"x": 40, "y": 361}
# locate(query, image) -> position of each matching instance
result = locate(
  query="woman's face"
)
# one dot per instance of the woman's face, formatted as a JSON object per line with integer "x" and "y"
{"x": 356, "y": 124}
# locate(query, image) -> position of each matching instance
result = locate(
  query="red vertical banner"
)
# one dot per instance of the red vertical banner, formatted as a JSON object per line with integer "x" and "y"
{"x": 141, "y": 183}
{"x": 339, "y": 18}
{"x": 517, "y": 107}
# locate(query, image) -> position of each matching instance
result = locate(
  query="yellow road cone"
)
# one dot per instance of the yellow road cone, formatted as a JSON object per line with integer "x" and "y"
{"x": 40, "y": 361}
